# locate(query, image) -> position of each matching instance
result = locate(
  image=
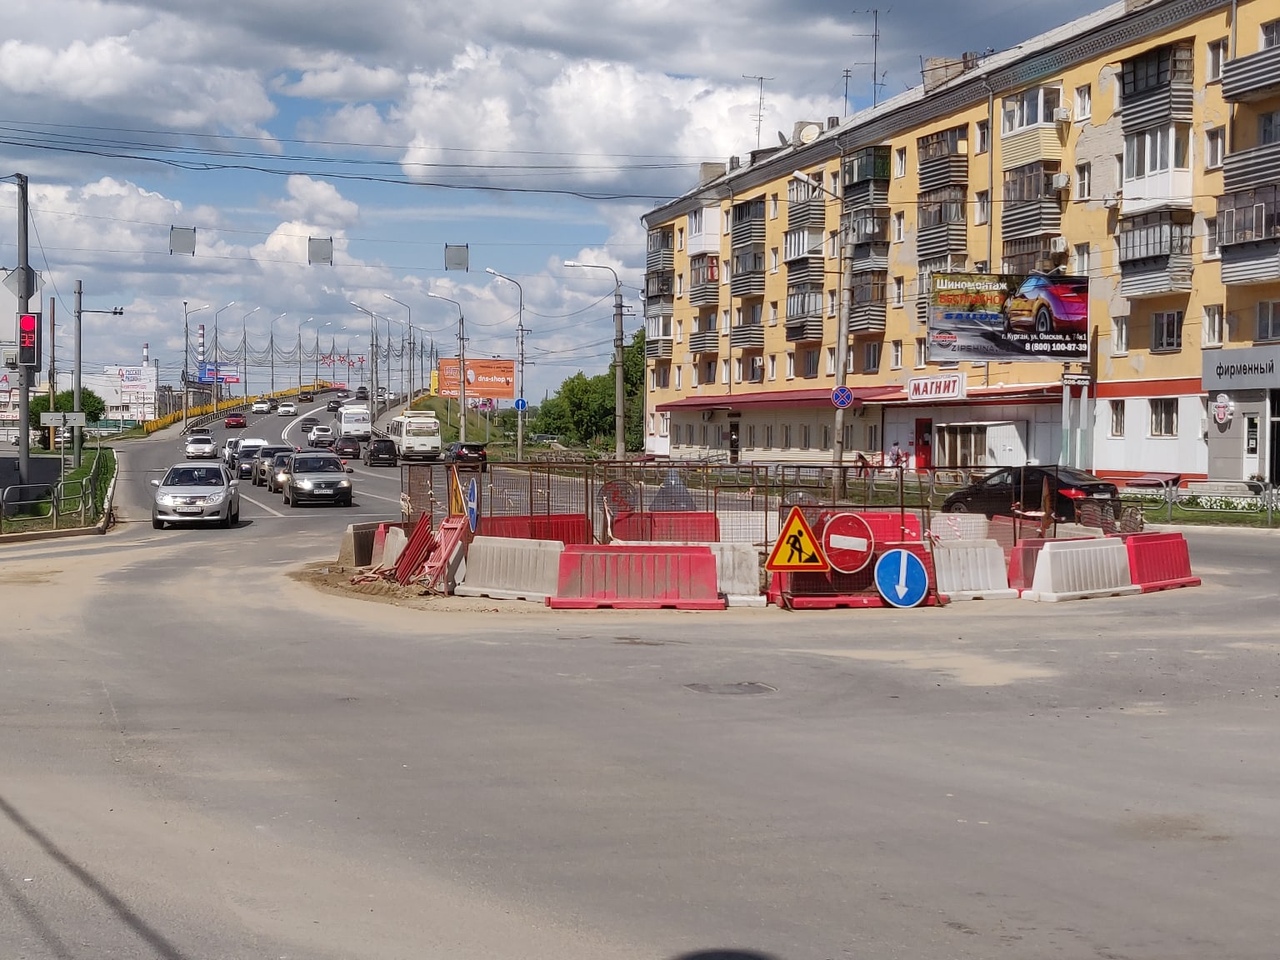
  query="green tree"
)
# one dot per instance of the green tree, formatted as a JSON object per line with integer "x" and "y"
{"x": 92, "y": 405}
{"x": 582, "y": 410}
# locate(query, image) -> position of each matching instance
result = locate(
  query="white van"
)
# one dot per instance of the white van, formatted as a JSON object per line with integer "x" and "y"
{"x": 416, "y": 433}
{"x": 354, "y": 421}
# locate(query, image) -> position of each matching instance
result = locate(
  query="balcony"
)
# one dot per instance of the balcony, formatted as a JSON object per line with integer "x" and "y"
{"x": 705, "y": 341}
{"x": 1156, "y": 87}
{"x": 867, "y": 301}
{"x": 805, "y": 213}
{"x": 867, "y": 226}
{"x": 1252, "y": 168}
{"x": 747, "y": 223}
{"x": 658, "y": 307}
{"x": 659, "y": 349}
{"x": 1155, "y": 276}
{"x": 659, "y": 284}
{"x": 1155, "y": 255}
{"x": 1254, "y": 77}
{"x": 942, "y": 240}
{"x": 947, "y": 170}
{"x": 806, "y": 270}
{"x": 804, "y": 329}
{"x": 747, "y": 336}
{"x": 868, "y": 165}
{"x": 1037, "y": 218}
{"x": 747, "y": 284}
{"x": 705, "y": 294}
{"x": 803, "y": 302}
{"x": 1249, "y": 235}
{"x": 1168, "y": 189}
{"x": 661, "y": 255}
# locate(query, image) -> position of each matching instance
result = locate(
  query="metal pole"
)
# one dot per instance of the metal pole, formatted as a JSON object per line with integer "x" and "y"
{"x": 77, "y": 433}
{"x": 186, "y": 356}
{"x": 53, "y": 370}
{"x": 619, "y": 383}
{"x": 462, "y": 379}
{"x": 24, "y": 306}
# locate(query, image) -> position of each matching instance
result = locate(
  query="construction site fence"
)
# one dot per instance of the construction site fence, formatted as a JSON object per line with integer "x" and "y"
{"x": 699, "y": 501}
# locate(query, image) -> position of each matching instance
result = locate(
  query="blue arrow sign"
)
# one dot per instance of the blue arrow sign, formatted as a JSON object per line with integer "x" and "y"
{"x": 901, "y": 578}
{"x": 473, "y": 504}
{"x": 522, "y": 404}
{"x": 842, "y": 397}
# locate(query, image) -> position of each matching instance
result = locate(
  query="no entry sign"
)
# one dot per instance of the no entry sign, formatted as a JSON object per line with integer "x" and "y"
{"x": 848, "y": 542}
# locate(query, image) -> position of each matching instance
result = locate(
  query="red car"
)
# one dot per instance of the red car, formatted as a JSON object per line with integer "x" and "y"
{"x": 1049, "y": 305}
{"x": 234, "y": 420}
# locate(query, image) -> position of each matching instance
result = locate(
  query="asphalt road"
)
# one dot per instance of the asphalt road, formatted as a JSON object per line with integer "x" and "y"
{"x": 204, "y": 759}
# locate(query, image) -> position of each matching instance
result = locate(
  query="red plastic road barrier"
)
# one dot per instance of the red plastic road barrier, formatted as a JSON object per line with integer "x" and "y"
{"x": 667, "y": 526}
{"x": 421, "y": 542}
{"x": 565, "y": 527}
{"x": 1159, "y": 561}
{"x": 888, "y": 526}
{"x": 628, "y": 577}
{"x": 836, "y": 591}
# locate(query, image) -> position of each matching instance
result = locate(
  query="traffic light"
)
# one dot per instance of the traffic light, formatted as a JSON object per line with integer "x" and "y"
{"x": 29, "y": 341}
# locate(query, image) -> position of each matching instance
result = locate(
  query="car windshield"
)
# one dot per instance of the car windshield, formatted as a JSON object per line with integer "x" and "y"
{"x": 201, "y": 439}
{"x": 193, "y": 477}
{"x": 248, "y": 453}
{"x": 317, "y": 465}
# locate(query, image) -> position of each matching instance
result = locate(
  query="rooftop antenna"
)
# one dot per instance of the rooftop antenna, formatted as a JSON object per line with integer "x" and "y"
{"x": 876, "y": 78}
{"x": 759, "y": 116}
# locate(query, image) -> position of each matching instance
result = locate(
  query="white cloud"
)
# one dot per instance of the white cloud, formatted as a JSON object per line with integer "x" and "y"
{"x": 318, "y": 202}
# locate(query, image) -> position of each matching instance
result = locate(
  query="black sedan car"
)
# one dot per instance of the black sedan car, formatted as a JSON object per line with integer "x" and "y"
{"x": 333, "y": 406}
{"x": 380, "y": 450}
{"x": 467, "y": 453}
{"x": 348, "y": 447}
{"x": 1007, "y": 489}
{"x": 246, "y": 458}
{"x": 306, "y": 423}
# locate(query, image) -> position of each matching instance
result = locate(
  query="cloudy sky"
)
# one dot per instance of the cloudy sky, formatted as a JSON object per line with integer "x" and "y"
{"x": 531, "y": 132}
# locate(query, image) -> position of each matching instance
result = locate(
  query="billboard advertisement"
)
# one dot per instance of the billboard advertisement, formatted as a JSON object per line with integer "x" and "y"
{"x": 226, "y": 372}
{"x": 983, "y": 317}
{"x": 133, "y": 380}
{"x": 486, "y": 379}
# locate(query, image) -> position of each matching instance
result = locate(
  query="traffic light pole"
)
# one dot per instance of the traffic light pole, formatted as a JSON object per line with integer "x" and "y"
{"x": 24, "y": 303}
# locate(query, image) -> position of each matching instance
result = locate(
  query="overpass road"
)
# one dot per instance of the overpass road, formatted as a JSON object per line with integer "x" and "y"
{"x": 201, "y": 757}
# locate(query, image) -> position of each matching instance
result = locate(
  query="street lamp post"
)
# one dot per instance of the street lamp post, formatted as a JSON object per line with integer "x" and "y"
{"x": 217, "y": 369}
{"x": 373, "y": 350}
{"x": 271, "y": 345}
{"x": 619, "y": 384}
{"x": 300, "y": 326}
{"x": 315, "y": 378}
{"x": 842, "y": 332}
{"x": 408, "y": 311}
{"x": 462, "y": 367}
{"x": 186, "y": 356}
{"x": 244, "y": 345}
{"x": 519, "y": 362}
{"x": 77, "y": 432}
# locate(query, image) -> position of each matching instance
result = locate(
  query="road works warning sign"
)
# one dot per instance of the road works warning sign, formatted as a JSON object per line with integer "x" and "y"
{"x": 797, "y": 549}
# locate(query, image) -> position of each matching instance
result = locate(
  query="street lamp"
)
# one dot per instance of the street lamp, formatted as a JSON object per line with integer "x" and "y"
{"x": 409, "y": 311}
{"x": 78, "y": 432}
{"x": 520, "y": 404}
{"x": 373, "y": 348}
{"x": 315, "y": 378}
{"x": 842, "y": 330}
{"x": 186, "y": 356}
{"x": 271, "y": 343}
{"x": 217, "y": 371}
{"x": 244, "y": 345}
{"x": 619, "y": 389}
{"x": 302, "y": 324}
{"x": 462, "y": 367}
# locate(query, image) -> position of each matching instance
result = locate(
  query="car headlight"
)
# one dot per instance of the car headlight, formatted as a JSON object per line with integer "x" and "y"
{"x": 305, "y": 484}
{"x": 167, "y": 500}
{"x": 344, "y": 483}
{"x": 215, "y": 497}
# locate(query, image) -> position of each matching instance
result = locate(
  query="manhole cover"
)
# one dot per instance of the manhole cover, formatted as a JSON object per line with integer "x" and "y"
{"x": 731, "y": 689}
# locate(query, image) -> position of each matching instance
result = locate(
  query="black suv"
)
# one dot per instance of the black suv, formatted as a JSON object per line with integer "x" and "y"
{"x": 306, "y": 396}
{"x": 467, "y": 453}
{"x": 380, "y": 450}
{"x": 333, "y": 406}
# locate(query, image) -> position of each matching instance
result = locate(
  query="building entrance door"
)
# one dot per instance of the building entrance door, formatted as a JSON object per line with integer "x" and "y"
{"x": 735, "y": 440}
{"x": 924, "y": 444}
{"x": 1273, "y": 440}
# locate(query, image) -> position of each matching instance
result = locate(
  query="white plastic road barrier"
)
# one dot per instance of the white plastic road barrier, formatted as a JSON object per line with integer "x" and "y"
{"x": 1078, "y": 569}
{"x": 958, "y": 526}
{"x": 738, "y": 573}
{"x": 972, "y": 570}
{"x": 507, "y": 568}
{"x": 392, "y": 547}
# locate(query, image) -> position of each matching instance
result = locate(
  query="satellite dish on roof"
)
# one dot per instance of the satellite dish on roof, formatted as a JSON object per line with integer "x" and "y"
{"x": 809, "y": 132}
{"x": 782, "y": 139}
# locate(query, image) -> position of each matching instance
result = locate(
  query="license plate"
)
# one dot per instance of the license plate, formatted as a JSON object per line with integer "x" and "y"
{"x": 1100, "y": 496}
{"x": 323, "y": 493}
{"x": 187, "y": 510}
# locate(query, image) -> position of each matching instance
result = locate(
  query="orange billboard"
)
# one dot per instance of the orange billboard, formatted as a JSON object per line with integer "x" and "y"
{"x": 486, "y": 379}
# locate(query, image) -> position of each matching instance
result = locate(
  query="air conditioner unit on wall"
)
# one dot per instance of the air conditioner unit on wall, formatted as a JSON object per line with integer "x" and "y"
{"x": 1057, "y": 244}
{"x": 1062, "y": 115}
{"x": 1061, "y": 181}
{"x": 1111, "y": 201}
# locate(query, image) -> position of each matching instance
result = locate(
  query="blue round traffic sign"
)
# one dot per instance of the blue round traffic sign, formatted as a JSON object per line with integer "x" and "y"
{"x": 522, "y": 404}
{"x": 473, "y": 504}
{"x": 842, "y": 397}
{"x": 901, "y": 578}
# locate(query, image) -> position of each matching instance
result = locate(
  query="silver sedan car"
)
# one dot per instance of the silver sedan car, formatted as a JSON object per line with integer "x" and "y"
{"x": 201, "y": 447}
{"x": 196, "y": 493}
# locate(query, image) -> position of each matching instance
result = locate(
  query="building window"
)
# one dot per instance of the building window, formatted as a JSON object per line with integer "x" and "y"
{"x": 1214, "y": 147}
{"x": 1029, "y": 108}
{"x": 773, "y": 260}
{"x": 982, "y": 213}
{"x": 1084, "y": 181}
{"x": 688, "y": 434}
{"x": 898, "y": 291}
{"x": 1082, "y": 259}
{"x": 1156, "y": 151}
{"x": 751, "y": 435}
{"x": 1271, "y": 35}
{"x": 695, "y": 223}
{"x": 1164, "y": 416}
{"x": 786, "y": 436}
{"x": 804, "y": 436}
{"x": 1269, "y": 128}
{"x": 1269, "y": 320}
{"x": 1119, "y": 336}
{"x": 1166, "y": 330}
{"x": 773, "y": 313}
{"x": 1216, "y": 57}
{"x": 833, "y": 303}
{"x": 1153, "y": 235}
{"x": 768, "y": 436}
{"x": 831, "y": 361}
{"x": 724, "y": 371}
{"x": 900, "y": 162}
{"x": 1211, "y": 238}
{"x": 773, "y": 366}
{"x": 848, "y": 360}
{"x": 945, "y": 205}
{"x": 680, "y": 238}
{"x": 899, "y": 226}
{"x": 791, "y": 366}
{"x": 895, "y": 355}
{"x": 981, "y": 137}
{"x": 826, "y": 437}
{"x": 679, "y": 377}
{"x": 809, "y": 362}
{"x": 870, "y": 357}
{"x": 709, "y": 373}
{"x": 920, "y": 353}
{"x": 1157, "y": 68}
{"x": 980, "y": 266}
{"x": 1211, "y": 332}
{"x": 664, "y": 425}
{"x": 1084, "y": 102}
{"x": 679, "y": 331}
{"x": 738, "y": 366}
{"x": 773, "y": 206}
{"x": 1117, "y": 418}
{"x": 833, "y": 244}
{"x": 873, "y": 436}
{"x": 833, "y": 191}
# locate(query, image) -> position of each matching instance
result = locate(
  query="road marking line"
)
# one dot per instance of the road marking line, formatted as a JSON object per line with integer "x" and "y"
{"x": 274, "y": 513}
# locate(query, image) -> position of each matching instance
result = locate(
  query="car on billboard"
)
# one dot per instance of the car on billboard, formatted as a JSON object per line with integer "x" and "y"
{"x": 1047, "y": 304}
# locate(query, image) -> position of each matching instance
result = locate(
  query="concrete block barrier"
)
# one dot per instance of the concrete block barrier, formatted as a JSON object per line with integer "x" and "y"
{"x": 972, "y": 570}
{"x": 631, "y": 577}
{"x": 1079, "y": 569}
{"x": 1159, "y": 561}
{"x": 356, "y": 549}
{"x": 393, "y": 546}
{"x": 738, "y": 573}
{"x": 507, "y": 568}
{"x": 378, "y": 554}
{"x": 959, "y": 526}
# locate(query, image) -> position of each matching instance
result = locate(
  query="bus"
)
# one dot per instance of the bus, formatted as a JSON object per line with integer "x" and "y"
{"x": 354, "y": 421}
{"x": 416, "y": 433}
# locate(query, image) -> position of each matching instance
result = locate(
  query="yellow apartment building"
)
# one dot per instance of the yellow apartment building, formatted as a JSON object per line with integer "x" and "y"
{"x": 1138, "y": 147}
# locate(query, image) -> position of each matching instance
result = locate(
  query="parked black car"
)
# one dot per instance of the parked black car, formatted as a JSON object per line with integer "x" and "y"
{"x": 997, "y": 493}
{"x": 348, "y": 447}
{"x": 474, "y": 453}
{"x": 380, "y": 450}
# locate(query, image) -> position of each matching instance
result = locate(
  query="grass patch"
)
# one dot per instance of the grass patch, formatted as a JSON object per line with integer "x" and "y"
{"x": 1159, "y": 513}
{"x": 39, "y": 515}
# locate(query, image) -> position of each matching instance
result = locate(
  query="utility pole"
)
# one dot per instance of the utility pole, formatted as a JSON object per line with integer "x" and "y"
{"x": 24, "y": 304}
{"x": 77, "y": 432}
{"x": 519, "y": 361}
{"x": 759, "y": 117}
{"x": 53, "y": 369}
{"x": 619, "y": 383}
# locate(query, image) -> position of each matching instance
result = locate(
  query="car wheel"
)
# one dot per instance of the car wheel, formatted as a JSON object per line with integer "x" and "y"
{"x": 235, "y": 517}
{"x": 157, "y": 523}
{"x": 1044, "y": 320}
{"x": 956, "y": 508}
{"x": 347, "y": 502}
{"x": 291, "y": 501}
{"x": 225, "y": 522}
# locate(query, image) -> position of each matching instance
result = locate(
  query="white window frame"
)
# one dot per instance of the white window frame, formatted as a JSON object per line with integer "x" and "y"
{"x": 1215, "y": 56}
{"x": 773, "y": 366}
{"x": 921, "y": 353}
{"x": 1117, "y": 419}
{"x": 1269, "y": 35}
{"x": 1211, "y": 326}
{"x": 773, "y": 313}
{"x": 981, "y": 137}
{"x": 1083, "y": 103}
{"x": 1268, "y": 128}
{"x": 1119, "y": 336}
{"x": 1166, "y": 331}
{"x": 773, "y": 206}
{"x": 791, "y": 365}
{"x": 833, "y": 303}
{"x": 982, "y": 207}
{"x": 739, "y": 369}
{"x": 871, "y": 356}
{"x": 899, "y": 291}
{"x": 1215, "y": 147}
{"x": 724, "y": 371}
{"x": 899, "y": 226}
{"x": 1211, "y": 249}
{"x": 1015, "y": 109}
{"x": 895, "y": 355}
{"x": 899, "y": 163}
{"x": 1268, "y": 321}
{"x": 831, "y": 361}
{"x": 1083, "y": 187}
{"x": 1083, "y": 257}
{"x": 679, "y": 376}
{"x": 1164, "y": 418}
